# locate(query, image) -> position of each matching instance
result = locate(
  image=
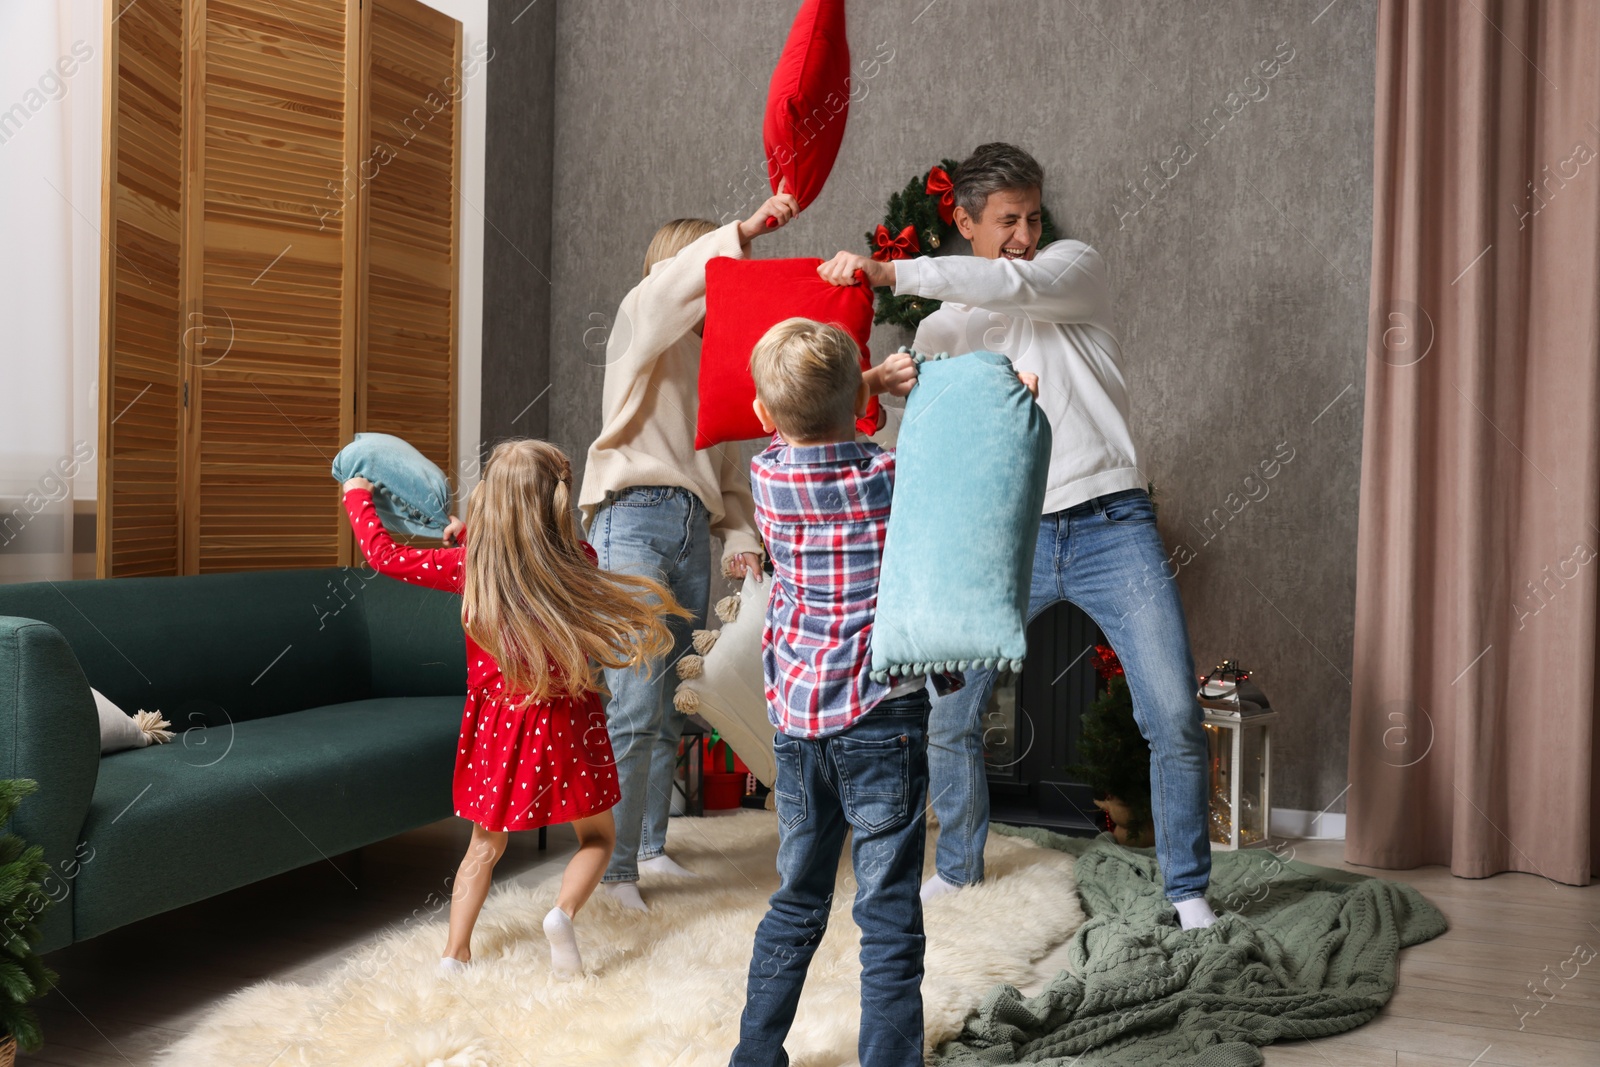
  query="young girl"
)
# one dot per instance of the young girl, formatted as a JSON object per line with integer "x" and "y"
{"x": 538, "y": 613}
{"x": 652, "y": 503}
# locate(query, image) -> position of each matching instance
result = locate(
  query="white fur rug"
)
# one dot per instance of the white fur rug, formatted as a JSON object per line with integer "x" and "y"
{"x": 663, "y": 988}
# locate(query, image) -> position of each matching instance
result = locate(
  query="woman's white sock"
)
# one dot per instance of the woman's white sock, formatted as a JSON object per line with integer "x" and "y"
{"x": 626, "y": 894}
{"x": 564, "y": 958}
{"x": 663, "y": 864}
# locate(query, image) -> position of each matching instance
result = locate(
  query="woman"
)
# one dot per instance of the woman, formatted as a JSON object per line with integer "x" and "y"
{"x": 652, "y": 503}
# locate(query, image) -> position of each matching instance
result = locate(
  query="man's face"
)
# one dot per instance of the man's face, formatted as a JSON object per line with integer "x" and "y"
{"x": 1007, "y": 227}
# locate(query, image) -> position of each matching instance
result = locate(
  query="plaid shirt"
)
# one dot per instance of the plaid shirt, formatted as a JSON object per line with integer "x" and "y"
{"x": 823, "y": 511}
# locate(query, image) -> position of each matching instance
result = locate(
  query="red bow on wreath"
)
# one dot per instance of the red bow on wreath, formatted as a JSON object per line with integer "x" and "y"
{"x": 906, "y": 244}
{"x": 939, "y": 183}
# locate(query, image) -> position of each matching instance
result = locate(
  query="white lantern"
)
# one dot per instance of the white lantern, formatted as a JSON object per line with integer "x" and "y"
{"x": 1239, "y": 744}
{"x": 1239, "y": 738}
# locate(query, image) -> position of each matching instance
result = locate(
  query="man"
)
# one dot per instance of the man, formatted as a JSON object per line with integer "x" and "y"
{"x": 1049, "y": 311}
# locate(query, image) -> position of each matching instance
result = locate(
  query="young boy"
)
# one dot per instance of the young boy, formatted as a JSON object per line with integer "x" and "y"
{"x": 851, "y": 752}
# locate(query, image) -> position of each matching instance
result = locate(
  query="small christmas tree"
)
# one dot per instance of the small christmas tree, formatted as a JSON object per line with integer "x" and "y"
{"x": 23, "y": 975}
{"x": 1116, "y": 757}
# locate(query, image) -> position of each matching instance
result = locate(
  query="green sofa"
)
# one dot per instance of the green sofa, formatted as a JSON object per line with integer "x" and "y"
{"x": 314, "y": 711}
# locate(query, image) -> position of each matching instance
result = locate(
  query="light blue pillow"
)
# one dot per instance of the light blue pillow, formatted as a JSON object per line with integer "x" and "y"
{"x": 409, "y": 492}
{"x": 970, "y": 468}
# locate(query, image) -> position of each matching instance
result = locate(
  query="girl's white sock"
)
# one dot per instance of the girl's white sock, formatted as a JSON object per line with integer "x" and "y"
{"x": 1195, "y": 914}
{"x": 564, "y": 958}
{"x": 451, "y": 965}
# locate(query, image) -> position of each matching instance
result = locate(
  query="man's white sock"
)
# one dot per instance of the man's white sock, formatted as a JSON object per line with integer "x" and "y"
{"x": 626, "y": 894}
{"x": 1195, "y": 914}
{"x": 564, "y": 958}
{"x": 936, "y": 886}
{"x": 663, "y": 864}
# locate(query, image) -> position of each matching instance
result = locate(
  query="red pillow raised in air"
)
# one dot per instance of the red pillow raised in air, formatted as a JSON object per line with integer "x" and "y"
{"x": 808, "y": 100}
{"x": 746, "y": 298}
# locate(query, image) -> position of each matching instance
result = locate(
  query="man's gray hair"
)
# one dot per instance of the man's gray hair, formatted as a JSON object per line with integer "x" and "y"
{"x": 991, "y": 168}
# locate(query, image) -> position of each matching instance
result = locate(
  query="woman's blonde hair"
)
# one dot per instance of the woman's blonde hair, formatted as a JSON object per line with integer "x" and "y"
{"x": 533, "y": 600}
{"x": 673, "y": 238}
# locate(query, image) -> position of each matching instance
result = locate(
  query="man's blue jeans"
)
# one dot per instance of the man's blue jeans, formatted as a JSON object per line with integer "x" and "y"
{"x": 659, "y": 532}
{"x": 870, "y": 779}
{"x": 1106, "y": 557}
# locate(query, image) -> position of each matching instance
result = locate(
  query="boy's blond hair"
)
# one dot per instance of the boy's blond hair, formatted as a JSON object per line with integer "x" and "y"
{"x": 673, "y": 238}
{"x": 807, "y": 373}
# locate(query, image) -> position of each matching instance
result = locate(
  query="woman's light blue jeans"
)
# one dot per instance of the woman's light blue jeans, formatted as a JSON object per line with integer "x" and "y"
{"x": 1106, "y": 557}
{"x": 659, "y": 532}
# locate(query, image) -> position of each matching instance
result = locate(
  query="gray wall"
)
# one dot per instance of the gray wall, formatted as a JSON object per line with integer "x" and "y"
{"x": 520, "y": 135}
{"x": 1241, "y": 288}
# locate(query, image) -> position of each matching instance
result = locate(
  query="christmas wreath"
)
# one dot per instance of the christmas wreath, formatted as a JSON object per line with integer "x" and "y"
{"x": 921, "y": 218}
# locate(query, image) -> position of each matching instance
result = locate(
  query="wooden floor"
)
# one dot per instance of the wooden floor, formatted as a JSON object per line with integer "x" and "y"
{"x": 1463, "y": 999}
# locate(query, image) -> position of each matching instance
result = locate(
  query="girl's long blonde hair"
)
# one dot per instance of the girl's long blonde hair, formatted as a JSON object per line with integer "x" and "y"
{"x": 533, "y": 600}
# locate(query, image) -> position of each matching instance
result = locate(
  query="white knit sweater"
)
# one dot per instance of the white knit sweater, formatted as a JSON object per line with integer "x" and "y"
{"x": 1050, "y": 316}
{"x": 651, "y": 398}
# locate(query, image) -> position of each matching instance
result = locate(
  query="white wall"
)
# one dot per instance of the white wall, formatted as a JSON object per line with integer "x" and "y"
{"x": 474, "y": 18}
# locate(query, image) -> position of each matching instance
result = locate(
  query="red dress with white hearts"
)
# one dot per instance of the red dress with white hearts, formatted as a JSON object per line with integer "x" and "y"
{"x": 518, "y": 766}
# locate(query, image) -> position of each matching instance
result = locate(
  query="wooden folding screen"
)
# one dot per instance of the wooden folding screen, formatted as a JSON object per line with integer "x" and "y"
{"x": 273, "y": 272}
{"x": 141, "y": 389}
{"x": 409, "y": 287}
{"x": 247, "y": 151}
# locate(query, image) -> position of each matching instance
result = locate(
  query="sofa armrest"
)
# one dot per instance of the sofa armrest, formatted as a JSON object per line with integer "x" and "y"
{"x": 50, "y": 732}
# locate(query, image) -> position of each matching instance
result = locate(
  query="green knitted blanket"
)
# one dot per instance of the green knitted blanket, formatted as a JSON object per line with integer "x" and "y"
{"x": 1297, "y": 952}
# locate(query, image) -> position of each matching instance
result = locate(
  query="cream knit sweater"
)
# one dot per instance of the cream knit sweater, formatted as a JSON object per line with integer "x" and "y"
{"x": 651, "y": 396}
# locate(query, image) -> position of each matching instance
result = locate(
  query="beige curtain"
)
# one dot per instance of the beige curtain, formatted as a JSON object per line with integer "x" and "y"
{"x": 1473, "y": 739}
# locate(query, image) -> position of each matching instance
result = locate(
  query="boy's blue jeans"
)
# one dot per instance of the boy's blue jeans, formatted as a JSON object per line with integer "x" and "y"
{"x": 1105, "y": 556}
{"x": 659, "y": 532}
{"x": 871, "y": 779}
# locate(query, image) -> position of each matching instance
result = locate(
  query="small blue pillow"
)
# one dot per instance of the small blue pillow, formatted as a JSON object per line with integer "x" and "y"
{"x": 970, "y": 469}
{"x": 408, "y": 491}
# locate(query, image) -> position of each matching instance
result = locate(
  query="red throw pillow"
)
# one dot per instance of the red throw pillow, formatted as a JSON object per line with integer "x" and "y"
{"x": 808, "y": 100}
{"x": 744, "y": 299}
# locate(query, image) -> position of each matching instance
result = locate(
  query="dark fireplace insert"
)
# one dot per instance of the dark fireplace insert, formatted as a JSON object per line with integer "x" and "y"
{"x": 1031, "y": 727}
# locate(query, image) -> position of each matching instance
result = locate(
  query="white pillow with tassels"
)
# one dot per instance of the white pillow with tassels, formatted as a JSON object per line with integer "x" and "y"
{"x": 723, "y": 684}
{"x": 119, "y": 730}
